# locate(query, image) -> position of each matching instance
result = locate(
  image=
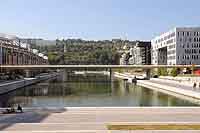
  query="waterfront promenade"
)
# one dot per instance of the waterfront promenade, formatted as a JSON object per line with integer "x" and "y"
{"x": 173, "y": 88}
{"x": 182, "y": 89}
{"x": 94, "y": 119}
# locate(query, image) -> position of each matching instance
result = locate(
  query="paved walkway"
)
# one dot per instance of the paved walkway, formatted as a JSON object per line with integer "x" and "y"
{"x": 92, "y": 119}
{"x": 172, "y": 88}
{"x": 173, "y": 84}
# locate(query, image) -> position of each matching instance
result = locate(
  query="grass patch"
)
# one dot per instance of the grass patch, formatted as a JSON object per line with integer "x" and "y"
{"x": 187, "y": 75}
{"x": 155, "y": 127}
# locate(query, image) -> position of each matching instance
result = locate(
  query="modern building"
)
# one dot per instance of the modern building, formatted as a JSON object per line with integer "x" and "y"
{"x": 140, "y": 53}
{"x": 14, "y": 52}
{"x": 179, "y": 46}
{"x": 123, "y": 59}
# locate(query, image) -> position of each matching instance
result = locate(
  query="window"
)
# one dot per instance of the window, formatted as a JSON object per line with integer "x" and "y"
{"x": 170, "y": 41}
{"x": 183, "y": 33}
{"x": 188, "y": 46}
{"x": 188, "y": 33}
{"x": 194, "y": 39}
{"x": 173, "y": 34}
{"x": 195, "y": 51}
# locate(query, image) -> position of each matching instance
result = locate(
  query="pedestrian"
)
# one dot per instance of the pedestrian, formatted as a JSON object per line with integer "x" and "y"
{"x": 194, "y": 85}
{"x": 199, "y": 85}
{"x": 19, "y": 108}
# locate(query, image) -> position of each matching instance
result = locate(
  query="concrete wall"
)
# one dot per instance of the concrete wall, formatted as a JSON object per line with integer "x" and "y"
{"x": 6, "y": 87}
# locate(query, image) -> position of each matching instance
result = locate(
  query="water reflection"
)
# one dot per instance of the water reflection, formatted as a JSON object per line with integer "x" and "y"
{"x": 88, "y": 90}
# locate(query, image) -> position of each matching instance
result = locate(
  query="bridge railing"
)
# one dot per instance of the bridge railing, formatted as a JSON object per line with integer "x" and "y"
{"x": 95, "y": 66}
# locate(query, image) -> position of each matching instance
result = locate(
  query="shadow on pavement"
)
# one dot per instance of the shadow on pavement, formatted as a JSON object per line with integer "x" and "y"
{"x": 7, "y": 120}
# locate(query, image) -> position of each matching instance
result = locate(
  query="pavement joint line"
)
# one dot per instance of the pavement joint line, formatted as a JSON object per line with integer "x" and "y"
{"x": 74, "y": 130}
{"x": 85, "y": 123}
{"x": 94, "y": 123}
{"x": 102, "y": 107}
{"x": 55, "y": 131}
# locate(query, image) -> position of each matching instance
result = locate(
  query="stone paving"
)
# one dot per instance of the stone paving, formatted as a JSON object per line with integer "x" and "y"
{"x": 94, "y": 119}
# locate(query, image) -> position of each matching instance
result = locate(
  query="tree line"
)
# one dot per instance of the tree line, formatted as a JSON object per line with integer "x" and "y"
{"x": 81, "y": 52}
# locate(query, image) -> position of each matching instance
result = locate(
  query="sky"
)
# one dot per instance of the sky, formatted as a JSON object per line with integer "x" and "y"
{"x": 96, "y": 19}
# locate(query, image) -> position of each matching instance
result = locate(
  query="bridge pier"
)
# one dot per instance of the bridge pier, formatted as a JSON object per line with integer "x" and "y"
{"x": 111, "y": 75}
{"x": 148, "y": 74}
{"x": 64, "y": 75}
{"x": 112, "y": 80}
{"x": 27, "y": 73}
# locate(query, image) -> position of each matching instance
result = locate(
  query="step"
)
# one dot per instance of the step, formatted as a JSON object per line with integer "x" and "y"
{"x": 154, "y": 126}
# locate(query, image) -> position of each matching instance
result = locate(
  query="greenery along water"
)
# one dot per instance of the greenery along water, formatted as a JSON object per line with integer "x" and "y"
{"x": 88, "y": 90}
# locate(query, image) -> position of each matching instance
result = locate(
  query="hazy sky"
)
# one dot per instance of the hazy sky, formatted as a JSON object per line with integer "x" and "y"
{"x": 96, "y": 19}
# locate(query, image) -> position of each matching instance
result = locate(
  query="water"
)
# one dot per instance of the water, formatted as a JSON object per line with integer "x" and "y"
{"x": 88, "y": 91}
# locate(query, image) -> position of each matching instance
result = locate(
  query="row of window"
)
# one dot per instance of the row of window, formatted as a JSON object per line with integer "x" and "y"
{"x": 188, "y": 57}
{"x": 172, "y": 46}
{"x": 171, "y": 52}
{"x": 187, "y": 33}
{"x": 192, "y": 51}
{"x": 170, "y": 41}
{"x": 166, "y": 37}
{"x": 193, "y": 45}
{"x": 171, "y": 57}
{"x": 196, "y": 39}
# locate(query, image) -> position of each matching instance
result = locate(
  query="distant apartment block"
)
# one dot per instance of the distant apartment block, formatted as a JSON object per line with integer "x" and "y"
{"x": 140, "y": 53}
{"x": 14, "y": 52}
{"x": 179, "y": 46}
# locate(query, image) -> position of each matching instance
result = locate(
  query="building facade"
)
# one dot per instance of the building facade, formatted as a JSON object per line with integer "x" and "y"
{"x": 140, "y": 53}
{"x": 14, "y": 52}
{"x": 179, "y": 46}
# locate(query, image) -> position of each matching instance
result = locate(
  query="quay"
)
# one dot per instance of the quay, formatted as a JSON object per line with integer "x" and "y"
{"x": 171, "y": 87}
{"x": 13, "y": 85}
{"x": 96, "y": 119}
{"x": 176, "y": 88}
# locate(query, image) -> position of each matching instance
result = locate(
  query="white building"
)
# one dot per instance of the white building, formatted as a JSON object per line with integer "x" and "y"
{"x": 179, "y": 46}
{"x": 123, "y": 59}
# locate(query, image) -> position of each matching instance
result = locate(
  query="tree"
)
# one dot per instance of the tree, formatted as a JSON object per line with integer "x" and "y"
{"x": 162, "y": 72}
{"x": 174, "y": 72}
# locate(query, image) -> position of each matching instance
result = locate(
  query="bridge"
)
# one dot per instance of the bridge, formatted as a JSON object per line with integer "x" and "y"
{"x": 146, "y": 68}
{"x": 95, "y": 66}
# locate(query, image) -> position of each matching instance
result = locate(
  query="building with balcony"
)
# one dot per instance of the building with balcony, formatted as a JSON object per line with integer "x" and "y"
{"x": 14, "y": 52}
{"x": 140, "y": 53}
{"x": 179, "y": 46}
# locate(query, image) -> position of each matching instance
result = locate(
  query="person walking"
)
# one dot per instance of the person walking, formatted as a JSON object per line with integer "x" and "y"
{"x": 194, "y": 85}
{"x": 19, "y": 108}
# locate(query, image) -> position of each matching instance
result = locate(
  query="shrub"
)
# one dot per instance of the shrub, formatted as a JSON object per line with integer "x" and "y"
{"x": 174, "y": 72}
{"x": 162, "y": 72}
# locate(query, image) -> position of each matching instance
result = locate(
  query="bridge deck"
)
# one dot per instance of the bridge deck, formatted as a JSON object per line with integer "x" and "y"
{"x": 95, "y": 66}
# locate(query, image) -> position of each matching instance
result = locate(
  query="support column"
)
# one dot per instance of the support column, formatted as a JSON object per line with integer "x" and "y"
{"x": 111, "y": 81}
{"x": 111, "y": 75}
{"x": 27, "y": 73}
{"x": 148, "y": 74}
{"x": 65, "y": 75}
